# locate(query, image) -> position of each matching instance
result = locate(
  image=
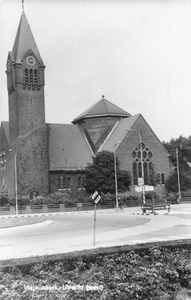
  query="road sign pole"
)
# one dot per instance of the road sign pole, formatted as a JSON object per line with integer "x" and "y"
{"x": 94, "y": 223}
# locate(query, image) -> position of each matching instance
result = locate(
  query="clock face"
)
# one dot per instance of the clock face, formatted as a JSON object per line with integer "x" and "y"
{"x": 30, "y": 60}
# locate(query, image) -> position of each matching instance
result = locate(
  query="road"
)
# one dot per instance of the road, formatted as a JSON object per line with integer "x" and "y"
{"x": 74, "y": 231}
{"x": 69, "y": 226}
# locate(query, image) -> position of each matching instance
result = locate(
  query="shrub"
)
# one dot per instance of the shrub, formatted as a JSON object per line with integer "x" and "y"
{"x": 186, "y": 193}
{"x": 151, "y": 195}
{"x": 22, "y": 201}
{"x": 144, "y": 271}
{"x": 105, "y": 198}
{"x": 4, "y": 201}
{"x": 58, "y": 198}
{"x": 132, "y": 197}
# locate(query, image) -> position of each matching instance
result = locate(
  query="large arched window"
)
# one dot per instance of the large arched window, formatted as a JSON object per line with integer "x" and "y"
{"x": 147, "y": 163}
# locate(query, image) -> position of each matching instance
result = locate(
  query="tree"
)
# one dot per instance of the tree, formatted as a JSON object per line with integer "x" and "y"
{"x": 172, "y": 182}
{"x": 183, "y": 145}
{"x": 101, "y": 174}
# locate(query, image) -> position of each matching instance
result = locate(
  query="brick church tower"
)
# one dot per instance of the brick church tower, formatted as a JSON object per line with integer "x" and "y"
{"x": 25, "y": 83}
{"x": 27, "y": 128}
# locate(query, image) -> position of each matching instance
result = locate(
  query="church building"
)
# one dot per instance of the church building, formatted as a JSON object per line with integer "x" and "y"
{"x": 39, "y": 157}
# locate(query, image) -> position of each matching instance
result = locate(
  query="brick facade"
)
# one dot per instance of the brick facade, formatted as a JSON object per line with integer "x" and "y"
{"x": 32, "y": 160}
{"x": 58, "y": 181}
{"x": 159, "y": 159}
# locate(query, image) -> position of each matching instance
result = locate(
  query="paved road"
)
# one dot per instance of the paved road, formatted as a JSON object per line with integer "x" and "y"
{"x": 74, "y": 231}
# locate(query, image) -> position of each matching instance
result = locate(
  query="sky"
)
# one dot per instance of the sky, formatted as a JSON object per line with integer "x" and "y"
{"x": 137, "y": 53}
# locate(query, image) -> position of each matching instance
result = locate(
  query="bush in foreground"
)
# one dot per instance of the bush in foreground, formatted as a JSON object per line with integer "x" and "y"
{"x": 151, "y": 271}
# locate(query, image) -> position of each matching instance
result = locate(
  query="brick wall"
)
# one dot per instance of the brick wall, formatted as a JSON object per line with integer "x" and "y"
{"x": 160, "y": 157}
{"x": 54, "y": 181}
{"x": 32, "y": 162}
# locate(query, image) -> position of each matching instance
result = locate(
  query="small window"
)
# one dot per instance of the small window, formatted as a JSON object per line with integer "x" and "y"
{"x": 135, "y": 180}
{"x": 140, "y": 169}
{"x": 31, "y": 76}
{"x": 144, "y": 154}
{"x": 79, "y": 181}
{"x": 133, "y": 154}
{"x": 162, "y": 178}
{"x": 26, "y": 76}
{"x": 35, "y": 76}
{"x": 145, "y": 173}
{"x": 68, "y": 182}
{"x": 143, "y": 146}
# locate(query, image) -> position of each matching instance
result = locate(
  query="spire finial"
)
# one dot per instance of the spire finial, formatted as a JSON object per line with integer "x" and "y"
{"x": 22, "y": 5}
{"x": 103, "y": 96}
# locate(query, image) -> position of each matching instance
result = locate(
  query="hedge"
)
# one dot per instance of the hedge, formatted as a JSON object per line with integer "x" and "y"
{"x": 144, "y": 271}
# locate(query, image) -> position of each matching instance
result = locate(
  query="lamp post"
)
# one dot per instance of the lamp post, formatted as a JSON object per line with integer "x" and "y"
{"x": 15, "y": 167}
{"x": 178, "y": 174}
{"x": 142, "y": 167}
{"x": 115, "y": 166}
{"x": 3, "y": 164}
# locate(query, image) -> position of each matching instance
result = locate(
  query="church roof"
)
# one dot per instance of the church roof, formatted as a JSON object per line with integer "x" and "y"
{"x": 68, "y": 148}
{"x": 24, "y": 41}
{"x": 5, "y": 126}
{"x": 102, "y": 108}
{"x": 119, "y": 133}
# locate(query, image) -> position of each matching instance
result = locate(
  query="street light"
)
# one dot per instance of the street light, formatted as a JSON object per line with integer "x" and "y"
{"x": 3, "y": 164}
{"x": 142, "y": 167}
{"x": 178, "y": 174}
{"x": 116, "y": 193}
{"x": 15, "y": 163}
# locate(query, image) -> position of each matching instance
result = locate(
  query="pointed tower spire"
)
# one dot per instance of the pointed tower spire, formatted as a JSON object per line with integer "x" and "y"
{"x": 24, "y": 42}
{"x": 22, "y": 5}
{"x": 25, "y": 83}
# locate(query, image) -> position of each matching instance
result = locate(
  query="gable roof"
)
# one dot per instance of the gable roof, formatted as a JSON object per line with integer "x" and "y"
{"x": 24, "y": 41}
{"x": 119, "y": 133}
{"x": 102, "y": 108}
{"x": 68, "y": 148}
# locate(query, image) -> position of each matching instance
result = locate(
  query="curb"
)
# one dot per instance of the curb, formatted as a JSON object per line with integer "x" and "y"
{"x": 21, "y": 227}
{"x": 58, "y": 214}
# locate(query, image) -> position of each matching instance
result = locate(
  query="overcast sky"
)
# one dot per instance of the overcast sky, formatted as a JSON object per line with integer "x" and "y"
{"x": 136, "y": 53}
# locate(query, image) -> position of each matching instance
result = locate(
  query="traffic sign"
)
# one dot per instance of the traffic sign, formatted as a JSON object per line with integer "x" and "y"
{"x": 146, "y": 188}
{"x": 97, "y": 199}
{"x": 95, "y": 195}
{"x": 140, "y": 181}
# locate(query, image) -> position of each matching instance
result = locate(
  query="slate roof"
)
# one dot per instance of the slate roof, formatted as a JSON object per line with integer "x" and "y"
{"x": 24, "y": 41}
{"x": 119, "y": 133}
{"x": 68, "y": 148}
{"x": 102, "y": 108}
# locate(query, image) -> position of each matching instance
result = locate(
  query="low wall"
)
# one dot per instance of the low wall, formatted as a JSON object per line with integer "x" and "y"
{"x": 29, "y": 209}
